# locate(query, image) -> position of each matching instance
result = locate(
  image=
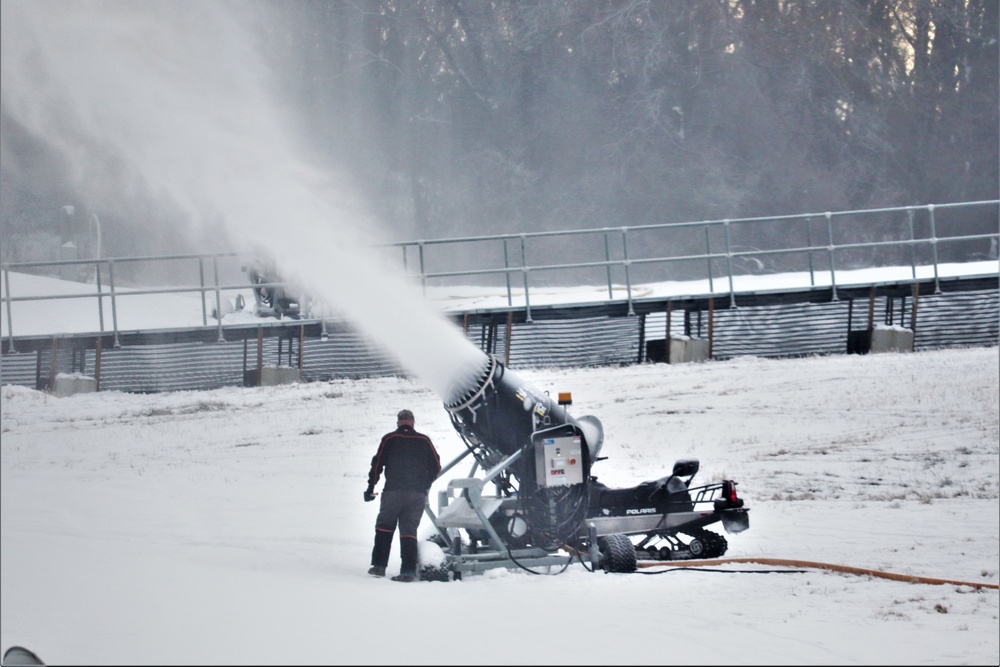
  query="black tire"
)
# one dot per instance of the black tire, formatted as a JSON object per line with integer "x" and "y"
{"x": 706, "y": 544}
{"x": 435, "y": 573}
{"x": 459, "y": 544}
{"x": 618, "y": 553}
{"x": 440, "y": 571}
{"x": 718, "y": 545}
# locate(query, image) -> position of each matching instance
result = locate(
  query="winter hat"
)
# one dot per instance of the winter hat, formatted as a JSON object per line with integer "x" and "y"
{"x": 404, "y": 415}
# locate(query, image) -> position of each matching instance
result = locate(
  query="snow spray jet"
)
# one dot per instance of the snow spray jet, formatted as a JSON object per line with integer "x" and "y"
{"x": 176, "y": 95}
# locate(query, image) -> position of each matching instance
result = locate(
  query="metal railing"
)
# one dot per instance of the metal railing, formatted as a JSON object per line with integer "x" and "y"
{"x": 830, "y": 250}
{"x": 114, "y": 293}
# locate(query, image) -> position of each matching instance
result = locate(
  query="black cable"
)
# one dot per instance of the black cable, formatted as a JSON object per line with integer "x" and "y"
{"x": 517, "y": 510}
{"x": 527, "y": 569}
{"x": 579, "y": 555}
{"x": 530, "y": 571}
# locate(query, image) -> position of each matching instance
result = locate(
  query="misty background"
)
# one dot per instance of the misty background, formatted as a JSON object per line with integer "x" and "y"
{"x": 449, "y": 118}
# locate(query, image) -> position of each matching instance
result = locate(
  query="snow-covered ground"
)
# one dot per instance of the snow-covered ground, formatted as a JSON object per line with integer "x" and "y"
{"x": 227, "y": 526}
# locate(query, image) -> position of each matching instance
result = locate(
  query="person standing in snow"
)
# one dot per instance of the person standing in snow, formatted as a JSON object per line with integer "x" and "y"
{"x": 411, "y": 465}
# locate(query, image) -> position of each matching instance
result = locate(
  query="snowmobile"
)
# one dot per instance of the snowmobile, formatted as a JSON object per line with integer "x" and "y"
{"x": 669, "y": 515}
{"x": 548, "y": 509}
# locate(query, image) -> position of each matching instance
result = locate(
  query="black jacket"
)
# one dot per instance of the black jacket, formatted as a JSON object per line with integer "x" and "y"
{"x": 409, "y": 459}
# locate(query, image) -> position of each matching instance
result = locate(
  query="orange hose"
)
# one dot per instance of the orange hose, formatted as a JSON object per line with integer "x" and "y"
{"x": 823, "y": 566}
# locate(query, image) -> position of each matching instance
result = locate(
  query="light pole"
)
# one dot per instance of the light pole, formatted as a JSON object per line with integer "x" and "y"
{"x": 95, "y": 230}
{"x": 68, "y": 251}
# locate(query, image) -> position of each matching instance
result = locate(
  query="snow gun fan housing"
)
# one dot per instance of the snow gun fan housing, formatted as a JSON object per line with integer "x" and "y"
{"x": 545, "y": 454}
{"x": 501, "y": 413}
{"x": 548, "y": 508}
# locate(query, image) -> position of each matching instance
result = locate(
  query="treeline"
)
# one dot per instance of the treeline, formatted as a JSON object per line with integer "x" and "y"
{"x": 496, "y": 116}
{"x": 474, "y": 117}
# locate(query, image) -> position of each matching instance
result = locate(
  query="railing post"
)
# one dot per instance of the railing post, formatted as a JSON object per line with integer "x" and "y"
{"x": 708, "y": 258}
{"x": 302, "y": 338}
{"x": 607, "y": 258}
{"x": 506, "y": 342}
{"x": 711, "y": 325}
{"x": 100, "y": 297}
{"x": 506, "y": 273}
{"x": 260, "y": 354}
{"x": 626, "y": 263}
{"x": 218, "y": 297}
{"x": 729, "y": 264}
{"x": 527, "y": 301}
{"x": 98, "y": 345}
{"x": 524, "y": 272}
{"x": 10, "y": 322}
{"x": 666, "y": 338}
{"x": 871, "y": 316}
{"x": 201, "y": 277}
{"x": 54, "y": 363}
{"x": 809, "y": 242}
{"x": 934, "y": 242}
{"x": 829, "y": 248}
{"x": 423, "y": 275}
{"x": 913, "y": 248}
{"x": 642, "y": 338}
{"x": 114, "y": 301}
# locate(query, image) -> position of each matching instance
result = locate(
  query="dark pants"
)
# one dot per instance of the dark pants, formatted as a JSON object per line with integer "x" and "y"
{"x": 404, "y": 508}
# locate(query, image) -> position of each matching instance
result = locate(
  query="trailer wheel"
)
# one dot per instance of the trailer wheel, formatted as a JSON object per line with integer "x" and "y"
{"x": 618, "y": 553}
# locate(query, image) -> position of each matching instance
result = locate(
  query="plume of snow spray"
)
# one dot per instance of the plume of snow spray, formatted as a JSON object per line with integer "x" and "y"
{"x": 177, "y": 95}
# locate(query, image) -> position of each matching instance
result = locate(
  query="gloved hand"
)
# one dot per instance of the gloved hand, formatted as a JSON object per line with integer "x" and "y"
{"x": 369, "y": 494}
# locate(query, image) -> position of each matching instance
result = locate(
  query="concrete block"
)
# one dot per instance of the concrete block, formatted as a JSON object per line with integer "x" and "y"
{"x": 684, "y": 349}
{"x": 67, "y": 384}
{"x": 275, "y": 375}
{"x": 890, "y": 338}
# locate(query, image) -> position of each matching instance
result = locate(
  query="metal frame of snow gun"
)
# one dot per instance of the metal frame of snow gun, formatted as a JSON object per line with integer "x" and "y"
{"x": 463, "y": 506}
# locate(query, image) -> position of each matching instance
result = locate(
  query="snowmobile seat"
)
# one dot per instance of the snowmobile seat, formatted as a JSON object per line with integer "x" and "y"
{"x": 603, "y": 496}
{"x": 647, "y": 492}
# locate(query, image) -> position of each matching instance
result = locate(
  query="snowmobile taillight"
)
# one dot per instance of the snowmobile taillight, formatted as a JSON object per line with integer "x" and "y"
{"x": 729, "y": 491}
{"x": 728, "y": 499}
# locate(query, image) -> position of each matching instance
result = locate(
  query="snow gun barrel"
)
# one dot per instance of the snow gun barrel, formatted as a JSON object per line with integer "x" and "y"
{"x": 500, "y": 411}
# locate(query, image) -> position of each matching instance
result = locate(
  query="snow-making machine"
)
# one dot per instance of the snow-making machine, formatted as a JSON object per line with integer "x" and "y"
{"x": 272, "y": 297}
{"x": 546, "y": 509}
